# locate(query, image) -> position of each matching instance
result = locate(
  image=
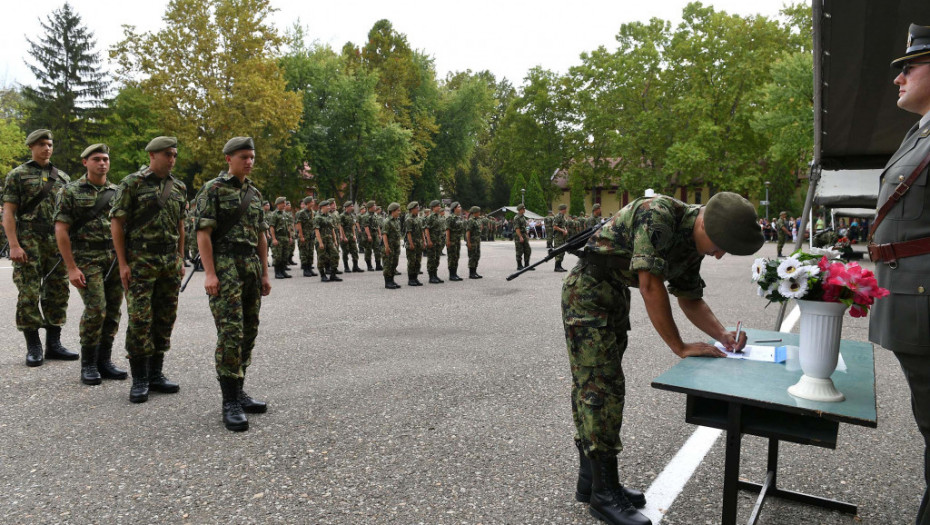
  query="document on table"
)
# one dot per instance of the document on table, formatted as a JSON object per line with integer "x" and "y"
{"x": 768, "y": 354}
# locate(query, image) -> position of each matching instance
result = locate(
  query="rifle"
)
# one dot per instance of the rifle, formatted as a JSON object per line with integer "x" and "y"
{"x": 187, "y": 279}
{"x": 572, "y": 245}
{"x": 5, "y": 252}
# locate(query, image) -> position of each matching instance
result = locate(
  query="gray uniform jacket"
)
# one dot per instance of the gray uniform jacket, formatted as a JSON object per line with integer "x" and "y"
{"x": 901, "y": 321}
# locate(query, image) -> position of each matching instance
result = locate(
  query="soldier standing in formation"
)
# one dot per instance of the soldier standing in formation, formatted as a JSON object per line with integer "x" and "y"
{"x": 781, "y": 227}
{"x": 305, "y": 243}
{"x": 559, "y": 234}
{"x": 677, "y": 238}
{"x": 473, "y": 241}
{"x": 231, "y": 235}
{"x": 547, "y": 222}
{"x": 371, "y": 236}
{"x": 29, "y": 204}
{"x": 291, "y": 231}
{"x": 520, "y": 238}
{"x": 434, "y": 241}
{"x": 413, "y": 229}
{"x": 390, "y": 237}
{"x": 82, "y": 229}
{"x": 349, "y": 242}
{"x": 325, "y": 234}
{"x": 595, "y": 218}
{"x": 147, "y": 223}
{"x": 454, "y": 230}
{"x": 279, "y": 227}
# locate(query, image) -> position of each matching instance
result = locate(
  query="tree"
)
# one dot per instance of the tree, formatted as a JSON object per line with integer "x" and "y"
{"x": 212, "y": 75}
{"x": 536, "y": 197}
{"x": 576, "y": 202}
{"x": 12, "y": 138}
{"x": 519, "y": 183}
{"x": 131, "y": 123}
{"x": 71, "y": 86}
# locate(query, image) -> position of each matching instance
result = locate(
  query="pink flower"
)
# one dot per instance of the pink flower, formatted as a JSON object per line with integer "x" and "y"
{"x": 858, "y": 310}
{"x": 823, "y": 264}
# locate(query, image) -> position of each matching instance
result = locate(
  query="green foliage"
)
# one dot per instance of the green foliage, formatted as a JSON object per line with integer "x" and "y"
{"x": 13, "y": 150}
{"x": 69, "y": 96}
{"x": 535, "y": 196}
{"x": 576, "y": 203}
{"x": 519, "y": 183}
{"x": 131, "y": 124}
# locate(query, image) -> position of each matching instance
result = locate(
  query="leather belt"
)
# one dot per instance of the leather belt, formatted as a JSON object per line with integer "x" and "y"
{"x": 241, "y": 250}
{"x": 159, "y": 248}
{"x": 602, "y": 266}
{"x": 92, "y": 245}
{"x": 891, "y": 252}
{"x": 36, "y": 227}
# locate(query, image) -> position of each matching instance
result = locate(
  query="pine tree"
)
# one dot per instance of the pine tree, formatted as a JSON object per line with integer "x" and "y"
{"x": 71, "y": 86}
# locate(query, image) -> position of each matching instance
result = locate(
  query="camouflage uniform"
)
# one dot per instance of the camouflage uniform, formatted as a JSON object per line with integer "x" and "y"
{"x": 364, "y": 245}
{"x": 558, "y": 238}
{"x": 414, "y": 227}
{"x": 548, "y": 222}
{"x": 154, "y": 260}
{"x": 350, "y": 245}
{"x": 456, "y": 228}
{"x": 780, "y": 226}
{"x": 328, "y": 255}
{"x": 592, "y": 221}
{"x": 436, "y": 226}
{"x": 391, "y": 229}
{"x": 282, "y": 231}
{"x": 654, "y": 235}
{"x": 305, "y": 220}
{"x": 92, "y": 247}
{"x": 377, "y": 248}
{"x": 473, "y": 227}
{"x": 523, "y": 249}
{"x": 235, "y": 259}
{"x": 36, "y": 233}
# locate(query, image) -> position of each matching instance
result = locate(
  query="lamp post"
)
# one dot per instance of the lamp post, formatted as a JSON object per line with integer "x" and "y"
{"x": 767, "y": 184}
{"x": 523, "y": 196}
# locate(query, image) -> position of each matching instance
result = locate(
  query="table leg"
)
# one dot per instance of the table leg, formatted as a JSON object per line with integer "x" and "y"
{"x": 731, "y": 466}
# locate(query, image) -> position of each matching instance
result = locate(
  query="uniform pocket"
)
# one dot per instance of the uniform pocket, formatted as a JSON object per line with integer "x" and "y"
{"x": 910, "y": 307}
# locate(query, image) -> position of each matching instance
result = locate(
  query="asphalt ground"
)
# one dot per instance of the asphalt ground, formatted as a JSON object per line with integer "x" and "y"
{"x": 442, "y": 404}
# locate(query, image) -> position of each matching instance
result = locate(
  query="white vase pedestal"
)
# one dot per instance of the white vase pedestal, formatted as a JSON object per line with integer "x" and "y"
{"x": 821, "y": 328}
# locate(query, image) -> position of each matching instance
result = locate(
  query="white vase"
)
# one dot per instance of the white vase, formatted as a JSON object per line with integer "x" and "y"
{"x": 821, "y": 328}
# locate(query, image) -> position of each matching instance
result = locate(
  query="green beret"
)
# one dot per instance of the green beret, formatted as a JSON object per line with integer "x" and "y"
{"x": 370, "y": 204}
{"x": 38, "y": 135}
{"x": 307, "y": 200}
{"x": 520, "y": 207}
{"x": 434, "y": 203}
{"x": 266, "y": 203}
{"x": 732, "y": 224}
{"x": 563, "y": 207}
{"x": 279, "y": 200}
{"x": 237, "y": 143}
{"x": 412, "y": 205}
{"x": 596, "y": 207}
{"x": 453, "y": 206}
{"x": 782, "y": 213}
{"x": 474, "y": 209}
{"x": 393, "y": 206}
{"x": 325, "y": 202}
{"x": 161, "y": 143}
{"x": 346, "y": 204}
{"x": 95, "y": 148}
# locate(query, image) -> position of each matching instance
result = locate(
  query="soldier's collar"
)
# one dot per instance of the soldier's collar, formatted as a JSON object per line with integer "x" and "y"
{"x": 35, "y": 164}
{"x": 229, "y": 177}
{"x": 106, "y": 185}
{"x": 148, "y": 173}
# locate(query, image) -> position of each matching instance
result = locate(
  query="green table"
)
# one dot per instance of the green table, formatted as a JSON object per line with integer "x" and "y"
{"x": 750, "y": 397}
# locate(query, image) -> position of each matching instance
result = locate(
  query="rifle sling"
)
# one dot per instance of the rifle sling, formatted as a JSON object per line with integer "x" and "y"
{"x": 149, "y": 213}
{"x": 893, "y": 199}
{"x": 222, "y": 228}
{"x": 102, "y": 201}
{"x": 38, "y": 197}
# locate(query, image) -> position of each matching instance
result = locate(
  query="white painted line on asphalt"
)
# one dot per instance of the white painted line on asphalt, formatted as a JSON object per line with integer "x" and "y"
{"x": 670, "y": 482}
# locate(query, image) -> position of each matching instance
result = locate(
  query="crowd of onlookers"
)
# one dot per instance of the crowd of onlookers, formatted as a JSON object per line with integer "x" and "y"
{"x": 856, "y": 230}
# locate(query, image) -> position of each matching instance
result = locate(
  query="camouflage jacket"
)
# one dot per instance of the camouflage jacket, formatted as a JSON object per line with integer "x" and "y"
{"x": 780, "y": 225}
{"x": 280, "y": 224}
{"x": 657, "y": 236}
{"x": 414, "y": 226}
{"x": 519, "y": 225}
{"x": 348, "y": 224}
{"x": 436, "y": 226}
{"x": 560, "y": 222}
{"x": 592, "y": 221}
{"x": 473, "y": 226}
{"x": 324, "y": 223}
{"x": 25, "y": 181}
{"x": 305, "y": 219}
{"x": 392, "y": 231}
{"x": 548, "y": 223}
{"x": 75, "y": 203}
{"x": 219, "y": 200}
{"x": 142, "y": 189}
{"x": 456, "y": 227}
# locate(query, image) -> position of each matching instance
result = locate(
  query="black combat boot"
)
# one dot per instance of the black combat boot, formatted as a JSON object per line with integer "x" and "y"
{"x": 608, "y": 501}
{"x": 89, "y": 373}
{"x": 307, "y": 271}
{"x": 526, "y": 263}
{"x": 390, "y": 284}
{"x": 249, "y": 405}
{"x": 53, "y": 348}
{"x": 356, "y": 269}
{"x": 519, "y": 265}
{"x": 157, "y": 380}
{"x": 104, "y": 365}
{"x": 413, "y": 279}
{"x": 454, "y": 274}
{"x": 369, "y": 266}
{"x": 233, "y": 416}
{"x": 332, "y": 275}
{"x": 284, "y": 269}
{"x": 434, "y": 278}
{"x": 558, "y": 267}
{"x": 378, "y": 266}
{"x": 583, "y": 487}
{"x": 33, "y": 348}
{"x": 345, "y": 263}
{"x": 473, "y": 274}
{"x": 312, "y": 273}
{"x": 324, "y": 275}
{"x": 139, "y": 391}
{"x": 278, "y": 274}
{"x": 290, "y": 262}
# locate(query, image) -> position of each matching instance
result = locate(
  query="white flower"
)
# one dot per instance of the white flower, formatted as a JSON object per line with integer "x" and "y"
{"x": 812, "y": 269}
{"x": 790, "y": 267}
{"x": 829, "y": 252}
{"x": 761, "y": 291}
{"x": 793, "y": 287}
{"x": 758, "y": 269}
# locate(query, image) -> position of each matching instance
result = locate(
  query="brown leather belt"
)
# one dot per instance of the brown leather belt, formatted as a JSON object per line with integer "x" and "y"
{"x": 891, "y": 252}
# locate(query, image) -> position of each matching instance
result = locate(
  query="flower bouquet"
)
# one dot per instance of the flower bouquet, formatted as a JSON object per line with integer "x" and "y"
{"x": 824, "y": 287}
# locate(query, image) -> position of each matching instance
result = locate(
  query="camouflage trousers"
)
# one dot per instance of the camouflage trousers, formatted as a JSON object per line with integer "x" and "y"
{"x": 280, "y": 253}
{"x": 557, "y": 241}
{"x": 328, "y": 255}
{"x": 377, "y": 250}
{"x": 432, "y": 257}
{"x": 781, "y": 242}
{"x": 235, "y": 312}
{"x": 152, "y": 303}
{"x": 452, "y": 254}
{"x": 291, "y": 248}
{"x": 596, "y": 317}
{"x": 414, "y": 260}
{"x": 350, "y": 248}
{"x": 306, "y": 251}
{"x": 102, "y": 299}
{"x": 474, "y": 254}
{"x": 523, "y": 250}
{"x": 391, "y": 260}
{"x": 52, "y": 295}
